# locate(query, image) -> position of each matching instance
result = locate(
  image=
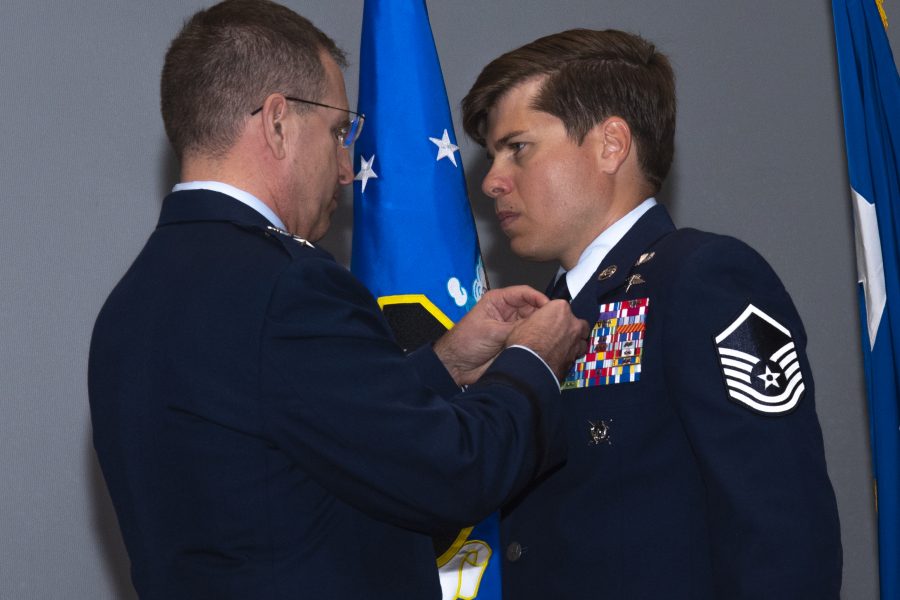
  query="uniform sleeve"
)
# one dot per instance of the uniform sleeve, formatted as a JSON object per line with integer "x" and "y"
{"x": 341, "y": 399}
{"x": 432, "y": 371}
{"x": 742, "y": 385}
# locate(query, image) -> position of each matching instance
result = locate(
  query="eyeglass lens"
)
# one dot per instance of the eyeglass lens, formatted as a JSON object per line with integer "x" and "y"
{"x": 353, "y": 131}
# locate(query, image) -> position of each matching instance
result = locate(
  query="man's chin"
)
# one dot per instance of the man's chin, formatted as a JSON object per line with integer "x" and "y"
{"x": 524, "y": 255}
{"x": 529, "y": 253}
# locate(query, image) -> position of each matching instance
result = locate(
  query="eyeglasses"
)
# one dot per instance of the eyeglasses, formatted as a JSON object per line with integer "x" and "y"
{"x": 347, "y": 134}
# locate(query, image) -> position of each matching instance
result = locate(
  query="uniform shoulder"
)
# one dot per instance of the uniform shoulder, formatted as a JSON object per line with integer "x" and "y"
{"x": 294, "y": 246}
{"x": 719, "y": 276}
{"x": 696, "y": 240}
{"x": 690, "y": 252}
{"x": 297, "y": 272}
{"x": 313, "y": 285}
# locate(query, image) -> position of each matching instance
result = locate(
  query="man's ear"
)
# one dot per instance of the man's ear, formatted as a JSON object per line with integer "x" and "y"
{"x": 615, "y": 143}
{"x": 273, "y": 115}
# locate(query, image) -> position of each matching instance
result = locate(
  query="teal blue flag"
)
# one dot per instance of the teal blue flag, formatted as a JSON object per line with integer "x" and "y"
{"x": 870, "y": 94}
{"x": 414, "y": 240}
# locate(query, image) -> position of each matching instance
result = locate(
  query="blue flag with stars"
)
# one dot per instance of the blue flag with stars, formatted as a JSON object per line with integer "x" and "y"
{"x": 870, "y": 94}
{"x": 414, "y": 240}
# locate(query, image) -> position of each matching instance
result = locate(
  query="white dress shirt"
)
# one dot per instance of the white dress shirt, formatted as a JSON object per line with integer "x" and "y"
{"x": 597, "y": 250}
{"x": 236, "y": 193}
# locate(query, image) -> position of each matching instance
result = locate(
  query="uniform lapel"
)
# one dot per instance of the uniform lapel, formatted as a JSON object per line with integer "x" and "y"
{"x": 653, "y": 225}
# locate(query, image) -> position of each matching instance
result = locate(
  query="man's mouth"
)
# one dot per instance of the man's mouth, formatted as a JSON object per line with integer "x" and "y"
{"x": 506, "y": 218}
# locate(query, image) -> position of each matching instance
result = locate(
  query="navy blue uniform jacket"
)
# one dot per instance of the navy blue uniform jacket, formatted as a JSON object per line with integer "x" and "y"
{"x": 263, "y": 437}
{"x": 673, "y": 487}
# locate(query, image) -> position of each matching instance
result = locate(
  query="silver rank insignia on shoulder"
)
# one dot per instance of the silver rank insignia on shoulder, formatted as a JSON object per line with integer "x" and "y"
{"x": 644, "y": 258}
{"x": 607, "y": 272}
{"x": 599, "y": 431}
{"x": 296, "y": 238}
{"x": 635, "y": 279}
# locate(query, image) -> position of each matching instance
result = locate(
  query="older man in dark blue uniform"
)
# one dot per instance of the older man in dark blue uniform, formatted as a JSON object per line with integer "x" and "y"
{"x": 261, "y": 433}
{"x": 696, "y": 468}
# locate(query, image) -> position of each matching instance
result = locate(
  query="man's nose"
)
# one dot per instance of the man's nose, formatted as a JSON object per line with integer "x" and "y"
{"x": 495, "y": 184}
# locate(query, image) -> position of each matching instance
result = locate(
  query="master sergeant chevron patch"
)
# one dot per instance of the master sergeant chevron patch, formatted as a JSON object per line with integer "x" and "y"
{"x": 759, "y": 363}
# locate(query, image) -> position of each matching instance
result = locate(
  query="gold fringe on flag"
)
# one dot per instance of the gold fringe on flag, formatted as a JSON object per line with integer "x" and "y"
{"x": 883, "y": 14}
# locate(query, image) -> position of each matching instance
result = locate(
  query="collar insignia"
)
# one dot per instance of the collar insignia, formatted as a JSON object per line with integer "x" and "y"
{"x": 607, "y": 272}
{"x": 635, "y": 279}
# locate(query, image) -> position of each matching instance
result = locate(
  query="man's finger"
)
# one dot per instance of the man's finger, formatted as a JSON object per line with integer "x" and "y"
{"x": 515, "y": 302}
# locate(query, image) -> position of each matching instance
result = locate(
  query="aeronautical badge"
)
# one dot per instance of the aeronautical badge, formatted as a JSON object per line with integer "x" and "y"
{"x": 615, "y": 348}
{"x": 760, "y": 363}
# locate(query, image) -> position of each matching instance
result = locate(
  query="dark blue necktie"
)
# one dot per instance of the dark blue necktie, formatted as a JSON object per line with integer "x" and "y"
{"x": 560, "y": 290}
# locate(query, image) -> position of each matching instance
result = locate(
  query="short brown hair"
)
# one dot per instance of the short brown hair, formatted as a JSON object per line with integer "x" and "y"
{"x": 591, "y": 75}
{"x": 224, "y": 63}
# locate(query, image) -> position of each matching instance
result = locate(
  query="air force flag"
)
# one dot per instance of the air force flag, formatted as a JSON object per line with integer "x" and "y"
{"x": 870, "y": 94}
{"x": 414, "y": 241}
{"x": 413, "y": 229}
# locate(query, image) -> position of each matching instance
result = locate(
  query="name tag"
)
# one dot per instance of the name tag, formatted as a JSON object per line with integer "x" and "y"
{"x": 615, "y": 348}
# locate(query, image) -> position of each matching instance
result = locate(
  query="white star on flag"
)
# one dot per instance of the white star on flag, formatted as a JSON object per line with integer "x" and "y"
{"x": 445, "y": 148}
{"x": 365, "y": 171}
{"x": 869, "y": 263}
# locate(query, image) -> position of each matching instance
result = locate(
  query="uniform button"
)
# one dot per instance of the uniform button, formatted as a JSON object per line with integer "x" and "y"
{"x": 514, "y": 551}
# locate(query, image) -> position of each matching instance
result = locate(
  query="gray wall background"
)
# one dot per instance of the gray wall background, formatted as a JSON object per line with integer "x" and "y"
{"x": 84, "y": 164}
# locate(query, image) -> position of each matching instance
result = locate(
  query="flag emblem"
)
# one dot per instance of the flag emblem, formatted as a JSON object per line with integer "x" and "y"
{"x": 759, "y": 363}
{"x": 615, "y": 347}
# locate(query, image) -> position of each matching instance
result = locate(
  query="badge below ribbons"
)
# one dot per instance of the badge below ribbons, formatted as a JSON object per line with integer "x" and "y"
{"x": 615, "y": 347}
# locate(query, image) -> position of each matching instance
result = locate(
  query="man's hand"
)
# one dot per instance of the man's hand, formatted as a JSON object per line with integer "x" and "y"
{"x": 555, "y": 334}
{"x": 472, "y": 344}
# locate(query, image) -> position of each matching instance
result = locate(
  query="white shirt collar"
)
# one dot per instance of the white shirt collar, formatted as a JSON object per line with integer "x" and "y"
{"x": 597, "y": 250}
{"x": 236, "y": 193}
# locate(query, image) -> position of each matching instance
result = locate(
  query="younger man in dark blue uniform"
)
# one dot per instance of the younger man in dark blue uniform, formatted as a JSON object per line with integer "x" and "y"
{"x": 696, "y": 468}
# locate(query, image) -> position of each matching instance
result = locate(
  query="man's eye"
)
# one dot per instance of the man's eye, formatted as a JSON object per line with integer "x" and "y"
{"x": 517, "y": 147}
